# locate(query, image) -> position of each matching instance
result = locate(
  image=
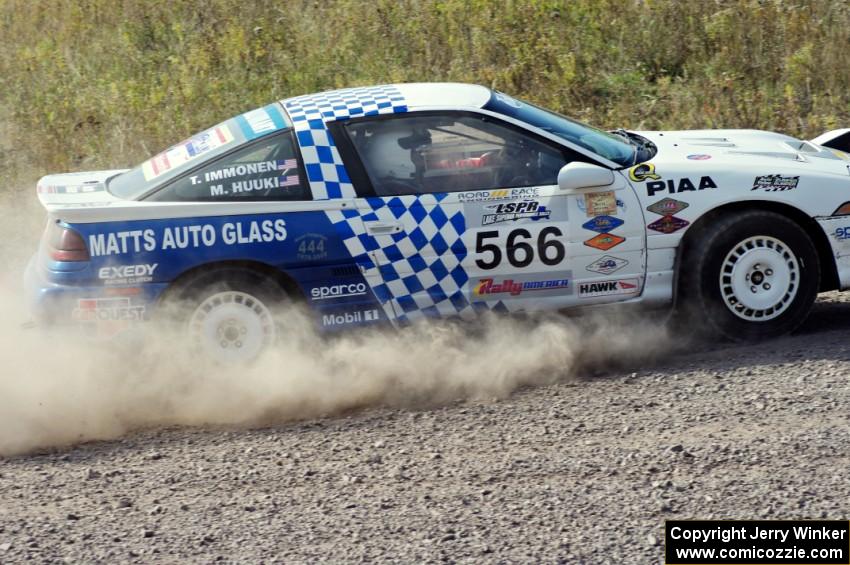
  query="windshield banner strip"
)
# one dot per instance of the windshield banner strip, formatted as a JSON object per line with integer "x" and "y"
{"x": 261, "y": 121}
{"x": 186, "y": 151}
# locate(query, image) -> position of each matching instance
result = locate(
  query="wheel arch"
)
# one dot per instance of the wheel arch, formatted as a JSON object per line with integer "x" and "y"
{"x": 828, "y": 270}
{"x": 285, "y": 281}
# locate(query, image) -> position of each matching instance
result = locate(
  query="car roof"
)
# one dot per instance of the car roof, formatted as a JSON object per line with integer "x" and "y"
{"x": 420, "y": 95}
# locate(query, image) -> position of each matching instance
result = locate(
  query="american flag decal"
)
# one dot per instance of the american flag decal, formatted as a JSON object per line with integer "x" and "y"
{"x": 289, "y": 180}
{"x": 286, "y": 164}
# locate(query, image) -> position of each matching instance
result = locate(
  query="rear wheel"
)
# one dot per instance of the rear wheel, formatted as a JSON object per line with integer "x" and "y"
{"x": 229, "y": 315}
{"x": 750, "y": 275}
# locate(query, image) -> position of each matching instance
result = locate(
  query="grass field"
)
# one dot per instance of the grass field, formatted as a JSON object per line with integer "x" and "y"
{"x": 95, "y": 83}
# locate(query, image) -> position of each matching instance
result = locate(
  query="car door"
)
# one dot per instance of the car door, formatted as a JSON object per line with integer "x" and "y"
{"x": 461, "y": 212}
{"x": 607, "y": 242}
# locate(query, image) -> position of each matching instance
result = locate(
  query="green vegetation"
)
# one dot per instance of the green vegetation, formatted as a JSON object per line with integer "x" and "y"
{"x": 100, "y": 83}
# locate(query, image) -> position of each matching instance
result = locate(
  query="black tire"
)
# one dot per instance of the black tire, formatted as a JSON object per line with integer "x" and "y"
{"x": 243, "y": 287}
{"x": 708, "y": 297}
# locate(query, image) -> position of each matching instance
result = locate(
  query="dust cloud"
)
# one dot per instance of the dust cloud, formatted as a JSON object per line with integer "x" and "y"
{"x": 57, "y": 388}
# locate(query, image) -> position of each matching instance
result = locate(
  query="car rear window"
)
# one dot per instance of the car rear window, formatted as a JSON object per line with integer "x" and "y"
{"x": 208, "y": 144}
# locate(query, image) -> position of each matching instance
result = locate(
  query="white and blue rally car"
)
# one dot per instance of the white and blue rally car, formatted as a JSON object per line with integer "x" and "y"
{"x": 387, "y": 204}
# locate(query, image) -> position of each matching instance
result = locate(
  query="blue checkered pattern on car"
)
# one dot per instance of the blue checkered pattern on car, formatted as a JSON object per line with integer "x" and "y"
{"x": 421, "y": 267}
{"x": 309, "y": 113}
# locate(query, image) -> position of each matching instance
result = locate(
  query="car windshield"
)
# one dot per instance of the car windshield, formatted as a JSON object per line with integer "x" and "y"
{"x": 607, "y": 145}
{"x": 198, "y": 149}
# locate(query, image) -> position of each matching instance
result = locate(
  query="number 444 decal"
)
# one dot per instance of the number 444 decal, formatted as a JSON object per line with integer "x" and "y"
{"x": 520, "y": 248}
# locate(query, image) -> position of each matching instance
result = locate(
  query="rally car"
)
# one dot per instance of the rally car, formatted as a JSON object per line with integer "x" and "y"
{"x": 389, "y": 204}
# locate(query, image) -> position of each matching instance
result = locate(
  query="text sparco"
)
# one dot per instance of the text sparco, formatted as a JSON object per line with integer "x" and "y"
{"x": 338, "y": 291}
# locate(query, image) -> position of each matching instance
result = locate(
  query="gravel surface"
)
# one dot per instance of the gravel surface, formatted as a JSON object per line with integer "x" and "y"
{"x": 579, "y": 472}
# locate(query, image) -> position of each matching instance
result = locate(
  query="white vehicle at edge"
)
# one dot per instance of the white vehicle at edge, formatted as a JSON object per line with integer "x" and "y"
{"x": 388, "y": 204}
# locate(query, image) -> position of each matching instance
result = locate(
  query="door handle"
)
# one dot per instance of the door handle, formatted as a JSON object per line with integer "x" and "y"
{"x": 382, "y": 228}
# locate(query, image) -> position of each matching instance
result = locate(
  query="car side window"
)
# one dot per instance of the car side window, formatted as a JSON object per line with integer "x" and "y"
{"x": 267, "y": 170}
{"x": 416, "y": 154}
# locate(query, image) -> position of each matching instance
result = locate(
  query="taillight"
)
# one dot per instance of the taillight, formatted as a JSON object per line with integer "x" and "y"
{"x": 64, "y": 244}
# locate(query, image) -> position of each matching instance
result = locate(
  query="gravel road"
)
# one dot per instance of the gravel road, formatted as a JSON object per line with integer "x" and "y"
{"x": 584, "y": 471}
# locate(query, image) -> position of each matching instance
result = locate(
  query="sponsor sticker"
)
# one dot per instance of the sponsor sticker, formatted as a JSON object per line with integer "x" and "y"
{"x": 583, "y": 208}
{"x": 673, "y": 186}
{"x": 499, "y": 194}
{"x": 346, "y": 318}
{"x": 127, "y": 274}
{"x": 338, "y": 291}
{"x": 668, "y": 224}
{"x": 200, "y": 144}
{"x": 186, "y": 151}
{"x": 642, "y": 172}
{"x": 606, "y": 265}
{"x": 842, "y": 233}
{"x": 157, "y": 165}
{"x": 775, "y": 183}
{"x": 699, "y": 157}
{"x": 600, "y": 203}
{"x": 107, "y": 316}
{"x": 83, "y": 205}
{"x": 187, "y": 237}
{"x": 311, "y": 247}
{"x": 261, "y": 121}
{"x": 107, "y": 309}
{"x": 608, "y": 288}
{"x": 497, "y": 213}
{"x": 489, "y": 285}
{"x": 602, "y": 224}
{"x": 605, "y": 241}
{"x": 667, "y": 206}
{"x": 510, "y": 211}
{"x": 74, "y": 189}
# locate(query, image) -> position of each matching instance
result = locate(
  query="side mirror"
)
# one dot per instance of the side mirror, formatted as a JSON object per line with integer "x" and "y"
{"x": 578, "y": 175}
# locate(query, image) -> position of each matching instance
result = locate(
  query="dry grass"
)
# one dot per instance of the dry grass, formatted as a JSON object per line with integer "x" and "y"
{"x": 92, "y": 83}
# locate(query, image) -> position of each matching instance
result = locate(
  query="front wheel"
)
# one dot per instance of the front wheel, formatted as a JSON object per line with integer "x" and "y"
{"x": 750, "y": 275}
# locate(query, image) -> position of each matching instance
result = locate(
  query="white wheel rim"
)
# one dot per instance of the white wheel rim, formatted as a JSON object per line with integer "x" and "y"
{"x": 759, "y": 278}
{"x": 232, "y": 327}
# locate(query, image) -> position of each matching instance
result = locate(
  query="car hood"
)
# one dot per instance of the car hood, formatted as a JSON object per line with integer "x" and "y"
{"x": 76, "y": 190}
{"x": 739, "y": 146}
